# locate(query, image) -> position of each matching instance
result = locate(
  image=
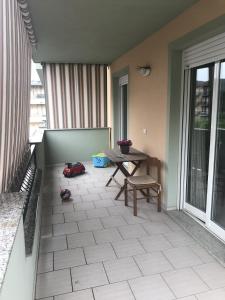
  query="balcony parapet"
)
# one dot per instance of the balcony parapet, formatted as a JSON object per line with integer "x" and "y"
{"x": 11, "y": 212}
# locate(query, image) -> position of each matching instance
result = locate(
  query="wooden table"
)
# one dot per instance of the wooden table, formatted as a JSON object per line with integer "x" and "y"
{"x": 135, "y": 157}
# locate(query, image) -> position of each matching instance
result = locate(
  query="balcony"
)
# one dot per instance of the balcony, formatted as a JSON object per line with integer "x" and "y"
{"x": 111, "y": 71}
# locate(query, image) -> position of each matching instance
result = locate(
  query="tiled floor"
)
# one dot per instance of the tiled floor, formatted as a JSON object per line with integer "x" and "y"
{"x": 94, "y": 248}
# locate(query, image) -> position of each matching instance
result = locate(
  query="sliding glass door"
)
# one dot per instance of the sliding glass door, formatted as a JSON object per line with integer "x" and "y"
{"x": 199, "y": 138}
{"x": 218, "y": 189}
{"x": 204, "y": 176}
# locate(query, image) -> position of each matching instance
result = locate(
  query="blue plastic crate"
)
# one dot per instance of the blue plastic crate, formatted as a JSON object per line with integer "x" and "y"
{"x": 100, "y": 160}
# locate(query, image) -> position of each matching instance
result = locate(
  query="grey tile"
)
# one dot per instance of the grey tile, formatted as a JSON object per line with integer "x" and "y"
{"x": 80, "y": 295}
{"x": 188, "y": 298}
{"x": 119, "y": 211}
{"x": 75, "y": 216}
{"x": 113, "y": 221}
{"x": 152, "y": 263}
{"x": 53, "y": 244}
{"x": 132, "y": 231}
{"x": 127, "y": 248}
{"x": 213, "y": 274}
{"x": 46, "y": 231}
{"x": 52, "y": 219}
{"x": 179, "y": 238}
{"x": 121, "y": 269}
{"x": 89, "y": 225}
{"x": 150, "y": 287}
{"x": 65, "y": 228}
{"x": 104, "y": 203}
{"x": 107, "y": 235}
{"x": 82, "y": 191}
{"x": 68, "y": 258}
{"x": 218, "y": 294}
{"x": 83, "y": 206}
{"x": 99, "y": 253}
{"x": 53, "y": 283}
{"x": 156, "y": 227}
{"x": 202, "y": 253}
{"x": 184, "y": 282}
{"x": 80, "y": 239}
{"x": 91, "y": 197}
{"x": 63, "y": 208}
{"x": 45, "y": 262}
{"x": 88, "y": 276}
{"x": 130, "y": 219}
{"x": 118, "y": 291}
{"x": 155, "y": 243}
{"x": 97, "y": 213}
{"x": 182, "y": 257}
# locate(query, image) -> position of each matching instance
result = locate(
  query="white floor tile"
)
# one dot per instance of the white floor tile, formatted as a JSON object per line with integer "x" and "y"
{"x": 88, "y": 276}
{"x": 213, "y": 274}
{"x": 113, "y": 221}
{"x": 188, "y": 298}
{"x": 156, "y": 227}
{"x": 45, "y": 262}
{"x": 130, "y": 219}
{"x": 52, "y": 219}
{"x": 89, "y": 225}
{"x": 104, "y": 203}
{"x": 69, "y": 258}
{"x": 182, "y": 257}
{"x": 184, "y": 282}
{"x": 128, "y": 248}
{"x": 218, "y": 294}
{"x": 80, "y": 239}
{"x": 118, "y": 211}
{"x": 63, "y": 208}
{"x": 80, "y": 295}
{"x": 91, "y": 197}
{"x": 116, "y": 291}
{"x": 99, "y": 253}
{"x": 107, "y": 235}
{"x": 121, "y": 269}
{"x": 66, "y": 228}
{"x": 84, "y": 206}
{"x": 75, "y": 216}
{"x": 179, "y": 238}
{"x": 53, "y": 283}
{"x": 46, "y": 231}
{"x": 97, "y": 213}
{"x": 152, "y": 263}
{"x": 53, "y": 244}
{"x": 155, "y": 243}
{"x": 202, "y": 253}
{"x": 132, "y": 231}
{"x": 150, "y": 287}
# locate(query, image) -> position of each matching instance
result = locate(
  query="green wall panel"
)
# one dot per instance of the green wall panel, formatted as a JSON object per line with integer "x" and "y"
{"x": 74, "y": 144}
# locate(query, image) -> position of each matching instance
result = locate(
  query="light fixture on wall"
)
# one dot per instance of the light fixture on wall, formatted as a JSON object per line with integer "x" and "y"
{"x": 144, "y": 70}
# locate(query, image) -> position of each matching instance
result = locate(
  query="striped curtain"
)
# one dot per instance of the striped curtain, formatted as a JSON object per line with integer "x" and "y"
{"x": 76, "y": 95}
{"x": 15, "y": 63}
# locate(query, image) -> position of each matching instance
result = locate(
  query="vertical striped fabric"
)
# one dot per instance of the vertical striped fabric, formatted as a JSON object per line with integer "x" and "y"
{"x": 15, "y": 63}
{"x": 76, "y": 95}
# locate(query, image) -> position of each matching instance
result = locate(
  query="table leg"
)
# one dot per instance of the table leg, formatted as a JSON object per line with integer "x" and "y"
{"x": 113, "y": 175}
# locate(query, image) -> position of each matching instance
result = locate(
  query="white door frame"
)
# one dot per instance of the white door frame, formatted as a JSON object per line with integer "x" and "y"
{"x": 203, "y": 216}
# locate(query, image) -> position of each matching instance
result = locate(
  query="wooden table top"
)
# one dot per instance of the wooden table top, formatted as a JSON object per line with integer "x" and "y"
{"x": 116, "y": 156}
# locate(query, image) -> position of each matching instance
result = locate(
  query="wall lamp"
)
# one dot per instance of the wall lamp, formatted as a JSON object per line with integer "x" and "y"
{"x": 144, "y": 70}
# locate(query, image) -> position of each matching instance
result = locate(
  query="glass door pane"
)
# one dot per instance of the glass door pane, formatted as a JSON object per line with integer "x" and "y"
{"x": 199, "y": 135}
{"x": 218, "y": 196}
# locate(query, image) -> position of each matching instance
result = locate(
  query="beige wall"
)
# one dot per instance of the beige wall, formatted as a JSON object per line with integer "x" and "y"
{"x": 148, "y": 97}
